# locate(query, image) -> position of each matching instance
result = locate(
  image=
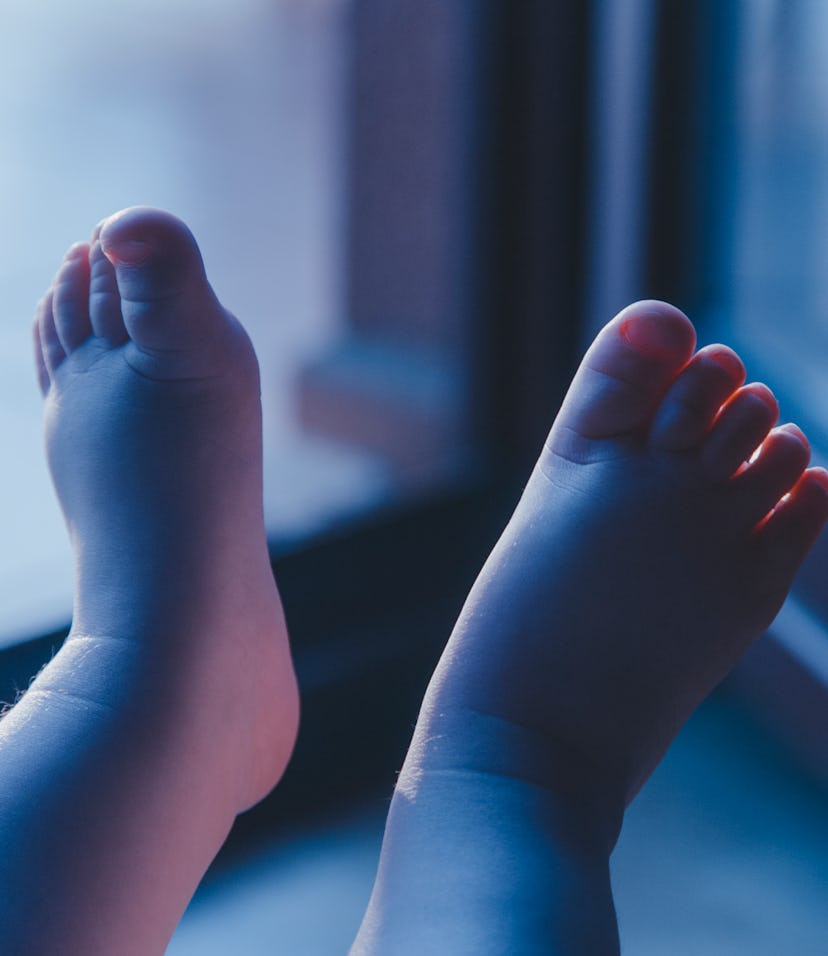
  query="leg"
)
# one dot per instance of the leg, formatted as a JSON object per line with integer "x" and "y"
{"x": 172, "y": 705}
{"x": 643, "y": 558}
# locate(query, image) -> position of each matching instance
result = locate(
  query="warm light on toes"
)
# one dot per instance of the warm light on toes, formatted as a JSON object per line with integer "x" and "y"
{"x": 655, "y": 331}
{"x": 728, "y": 360}
{"x": 790, "y": 429}
{"x": 819, "y": 476}
{"x": 77, "y": 250}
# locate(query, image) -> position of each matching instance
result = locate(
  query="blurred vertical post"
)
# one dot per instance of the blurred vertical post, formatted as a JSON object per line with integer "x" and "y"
{"x": 619, "y": 156}
{"x": 464, "y": 259}
{"x": 397, "y": 384}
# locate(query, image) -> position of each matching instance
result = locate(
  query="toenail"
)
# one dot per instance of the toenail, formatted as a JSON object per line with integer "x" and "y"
{"x": 796, "y": 431}
{"x": 127, "y": 252}
{"x": 75, "y": 250}
{"x": 764, "y": 394}
{"x": 731, "y": 363}
{"x": 650, "y": 334}
{"x": 819, "y": 476}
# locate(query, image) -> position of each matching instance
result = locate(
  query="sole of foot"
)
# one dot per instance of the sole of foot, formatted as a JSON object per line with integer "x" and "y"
{"x": 153, "y": 436}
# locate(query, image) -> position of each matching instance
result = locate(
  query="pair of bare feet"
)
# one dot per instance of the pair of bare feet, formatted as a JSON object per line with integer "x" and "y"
{"x": 651, "y": 546}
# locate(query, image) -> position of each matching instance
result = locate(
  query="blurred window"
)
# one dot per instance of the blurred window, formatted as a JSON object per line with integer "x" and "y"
{"x": 779, "y": 308}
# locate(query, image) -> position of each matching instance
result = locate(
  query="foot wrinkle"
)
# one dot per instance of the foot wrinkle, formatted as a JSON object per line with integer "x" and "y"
{"x": 103, "y": 294}
{"x": 150, "y": 300}
{"x": 571, "y": 805}
{"x": 561, "y": 477}
{"x": 550, "y": 743}
{"x": 170, "y": 353}
{"x": 190, "y": 288}
{"x": 476, "y": 773}
{"x": 178, "y": 380}
{"x": 101, "y": 350}
{"x": 66, "y": 284}
{"x": 676, "y": 467}
{"x": 634, "y": 383}
{"x": 613, "y": 446}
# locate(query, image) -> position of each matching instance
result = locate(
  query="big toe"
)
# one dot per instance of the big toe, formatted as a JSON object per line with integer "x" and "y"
{"x": 166, "y": 301}
{"x": 624, "y": 375}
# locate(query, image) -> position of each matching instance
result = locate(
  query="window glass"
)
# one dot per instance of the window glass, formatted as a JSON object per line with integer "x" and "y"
{"x": 780, "y": 281}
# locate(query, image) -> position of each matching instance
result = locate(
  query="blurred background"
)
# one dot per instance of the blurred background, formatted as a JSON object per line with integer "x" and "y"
{"x": 423, "y": 211}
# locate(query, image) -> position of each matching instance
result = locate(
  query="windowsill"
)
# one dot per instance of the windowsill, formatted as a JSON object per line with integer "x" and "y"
{"x": 783, "y": 681}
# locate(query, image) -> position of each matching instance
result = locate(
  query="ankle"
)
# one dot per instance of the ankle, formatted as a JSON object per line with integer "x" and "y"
{"x": 516, "y": 862}
{"x": 587, "y": 799}
{"x": 187, "y": 716}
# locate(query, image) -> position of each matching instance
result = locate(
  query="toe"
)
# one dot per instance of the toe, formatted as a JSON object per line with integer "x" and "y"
{"x": 789, "y": 532}
{"x": 740, "y": 427}
{"x": 104, "y": 299}
{"x": 624, "y": 375}
{"x": 692, "y": 401}
{"x": 166, "y": 302}
{"x": 51, "y": 348}
{"x": 771, "y": 474}
{"x": 96, "y": 232}
{"x": 41, "y": 371}
{"x": 70, "y": 298}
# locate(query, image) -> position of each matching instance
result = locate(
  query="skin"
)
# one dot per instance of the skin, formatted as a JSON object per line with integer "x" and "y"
{"x": 643, "y": 558}
{"x": 172, "y": 705}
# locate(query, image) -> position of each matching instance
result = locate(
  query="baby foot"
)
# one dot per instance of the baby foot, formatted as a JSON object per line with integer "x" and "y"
{"x": 652, "y": 544}
{"x": 153, "y": 435}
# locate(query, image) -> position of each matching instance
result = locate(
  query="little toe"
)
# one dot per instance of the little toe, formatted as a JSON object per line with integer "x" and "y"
{"x": 51, "y": 348}
{"x": 789, "y": 532}
{"x": 70, "y": 298}
{"x": 771, "y": 474}
{"x": 688, "y": 409}
{"x": 166, "y": 302}
{"x": 739, "y": 429}
{"x": 624, "y": 375}
{"x": 104, "y": 299}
